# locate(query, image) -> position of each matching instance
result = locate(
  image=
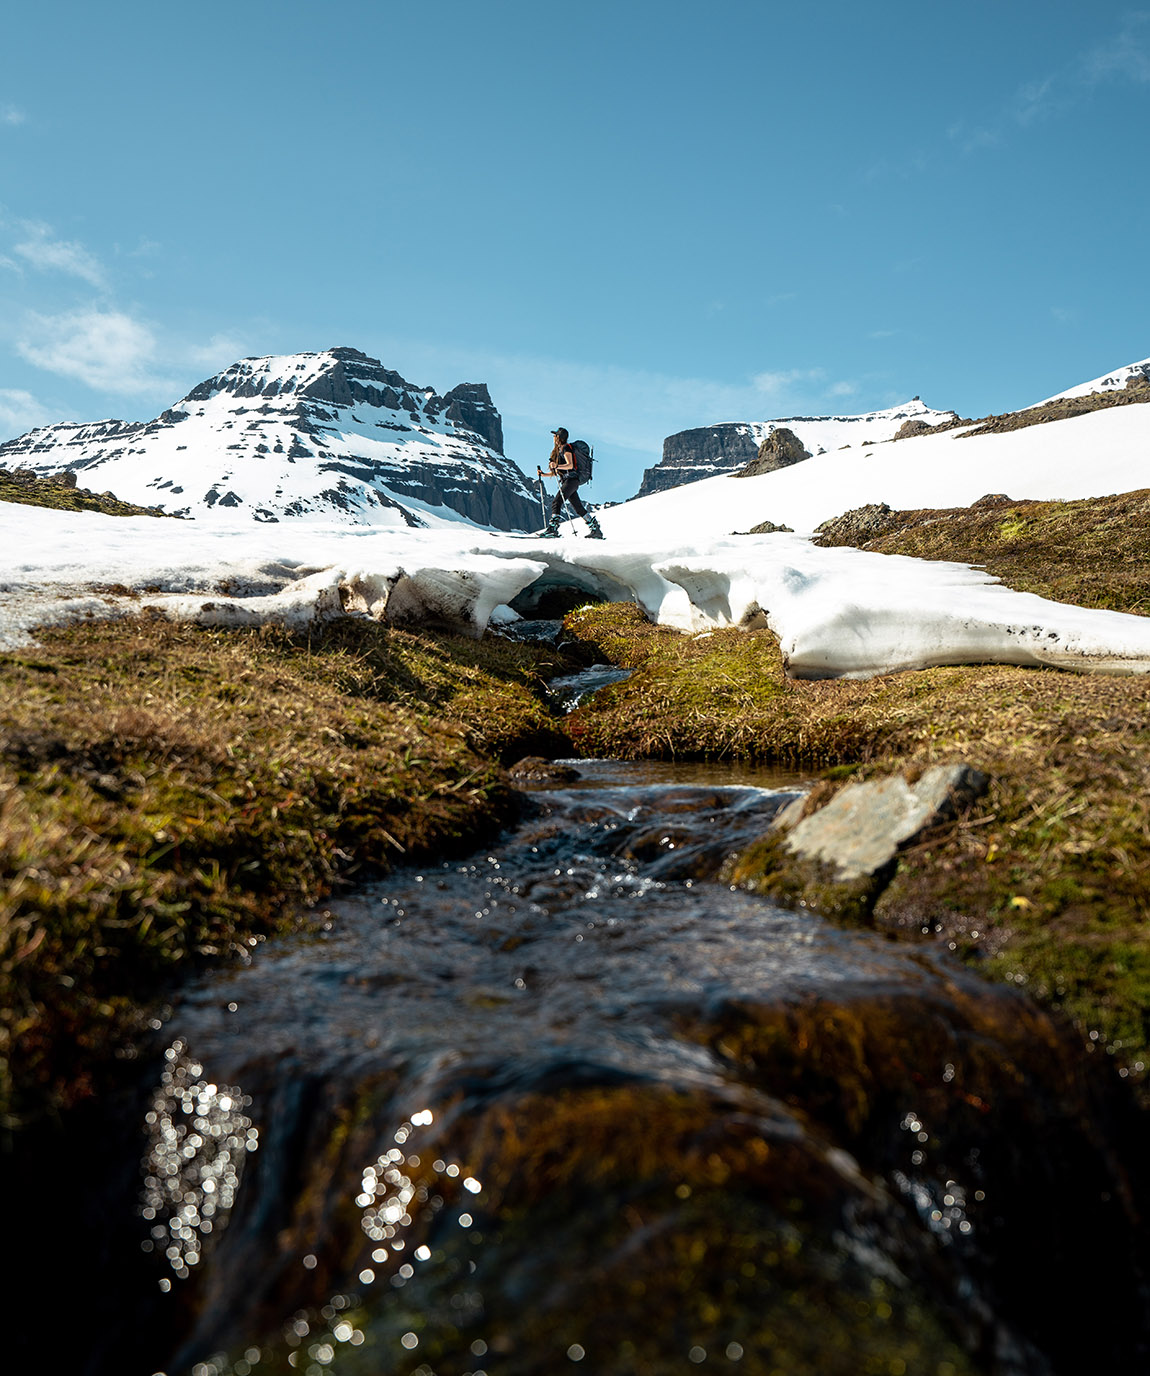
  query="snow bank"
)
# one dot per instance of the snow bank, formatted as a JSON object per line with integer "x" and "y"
{"x": 836, "y": 611}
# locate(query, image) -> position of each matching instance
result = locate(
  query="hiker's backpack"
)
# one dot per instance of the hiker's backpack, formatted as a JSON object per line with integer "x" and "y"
{"x": 584, "y": 460}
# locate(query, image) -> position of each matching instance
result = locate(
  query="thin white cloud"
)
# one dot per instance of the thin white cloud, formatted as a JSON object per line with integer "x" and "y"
{"x": 1034, "y": 99}
{"x": 781, "y": 383}
{"x": 220, "y": 352}
{"x": 111, "y": 351}
{"x": 1123, "y": 56}
{"x": 634, "y": 409}
{"x": 105, "y": 349}
{"x": 842, "y": 389}
{"x": 12, "y": 116}
{"x": 47, "y": 253}
{"x": 1126, "y": 55}
{"x": 20, "y": 411}
{"x": 970, "y": 139}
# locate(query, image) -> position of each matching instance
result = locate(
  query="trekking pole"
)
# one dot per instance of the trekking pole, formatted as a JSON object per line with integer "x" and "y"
{"x": 542, "y": 504}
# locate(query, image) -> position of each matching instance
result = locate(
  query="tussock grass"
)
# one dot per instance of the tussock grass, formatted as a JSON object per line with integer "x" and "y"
{"x": 1094, "y": 552}
{"x": 1052, "y": 872}
{"x": 170, "y": 793}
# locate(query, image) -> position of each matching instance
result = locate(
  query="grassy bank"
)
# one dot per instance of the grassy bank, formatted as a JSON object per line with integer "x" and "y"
{"x": 170, "y": 794}
{"x": 1094, "y": 552}
{"x": 1048, "y": 886}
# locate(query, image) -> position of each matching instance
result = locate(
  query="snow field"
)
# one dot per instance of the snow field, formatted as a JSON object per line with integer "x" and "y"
{"x": 837, "y": 612}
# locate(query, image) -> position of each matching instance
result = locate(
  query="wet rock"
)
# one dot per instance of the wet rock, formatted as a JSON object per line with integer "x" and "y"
{"x": 861, "y": 830}
{"x": 536, "y": 770}
{"x": 839, "y": 858}
{"x": 542, "y": 1109}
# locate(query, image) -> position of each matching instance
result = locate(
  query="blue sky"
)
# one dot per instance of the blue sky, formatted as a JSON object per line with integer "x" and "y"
{"x": 627, "y": 218}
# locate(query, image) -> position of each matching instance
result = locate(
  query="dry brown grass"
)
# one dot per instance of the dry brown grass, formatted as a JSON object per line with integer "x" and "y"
{"x": 1094, "y": 552}
{"x": 169, "y": 794}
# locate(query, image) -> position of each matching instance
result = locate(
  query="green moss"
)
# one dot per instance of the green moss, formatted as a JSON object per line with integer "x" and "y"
{"x": 637, "y": 1223}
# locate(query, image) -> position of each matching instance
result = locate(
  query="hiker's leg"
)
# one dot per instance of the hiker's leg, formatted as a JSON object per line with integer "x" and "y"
{"x": 570, "y": 490}
{"x": 557, "y": 505}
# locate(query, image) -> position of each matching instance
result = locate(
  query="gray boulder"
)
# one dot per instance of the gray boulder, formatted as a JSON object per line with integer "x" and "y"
{"x": 864, "y": 826}
{"x": 838, "y": 859}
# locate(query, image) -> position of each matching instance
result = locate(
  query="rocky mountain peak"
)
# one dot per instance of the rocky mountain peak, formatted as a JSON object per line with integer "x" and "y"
{"x": 332, "y": 434}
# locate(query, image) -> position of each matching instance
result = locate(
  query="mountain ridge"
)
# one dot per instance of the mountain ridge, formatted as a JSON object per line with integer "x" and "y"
{"x": 706, "y": 451}
{"x": 332, "y": 435}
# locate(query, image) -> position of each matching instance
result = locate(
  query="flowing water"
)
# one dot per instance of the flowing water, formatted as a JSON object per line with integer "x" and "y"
{"x": 573, "y": 1102}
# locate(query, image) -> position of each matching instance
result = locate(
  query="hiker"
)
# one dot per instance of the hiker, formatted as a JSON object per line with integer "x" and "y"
{"x": 563, "y": 465}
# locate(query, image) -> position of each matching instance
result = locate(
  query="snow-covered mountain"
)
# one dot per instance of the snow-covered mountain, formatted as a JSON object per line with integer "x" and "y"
{"x": 1091, "y": 455}
{"x": 692, "y": 455}
{"x": 1115, "y": 381}
{"x": 331, "y": 436}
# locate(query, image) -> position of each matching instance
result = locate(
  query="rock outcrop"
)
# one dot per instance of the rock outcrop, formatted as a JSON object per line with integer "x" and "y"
{"x": 711, "y": 450}
{"x": 857, "y": 526}
{"x": 692, "y": 455}
{"x": 780, "y": 449}
{"x": 329, "y": 436}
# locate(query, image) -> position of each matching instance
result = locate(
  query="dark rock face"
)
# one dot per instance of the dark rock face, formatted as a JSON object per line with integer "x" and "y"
{"x": 780, "y": 449}
{"x": 692, "y": 455}
{"x": 470, "y": 404}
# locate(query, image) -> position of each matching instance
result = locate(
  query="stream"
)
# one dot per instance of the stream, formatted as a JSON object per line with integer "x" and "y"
{"x": 572, "y": 1103}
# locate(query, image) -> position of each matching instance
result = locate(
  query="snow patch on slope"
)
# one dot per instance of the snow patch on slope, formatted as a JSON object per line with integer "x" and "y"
{"x": 1108, "y": 382}
{"x": 1088, "y": 456}
{"x": 821, "y": 434}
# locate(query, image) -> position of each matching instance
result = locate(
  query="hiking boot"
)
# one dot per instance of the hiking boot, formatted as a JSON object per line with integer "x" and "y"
{"x": 594, "y": 530}
{"x": 551, "y": 530}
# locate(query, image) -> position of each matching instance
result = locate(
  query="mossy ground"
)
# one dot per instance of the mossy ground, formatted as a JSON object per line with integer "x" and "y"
{"x": 170, "y": 793}
{"x": 1094, "y": 552}
{"x": 1047, "y": 884}
{"x": 30, "y": 490}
